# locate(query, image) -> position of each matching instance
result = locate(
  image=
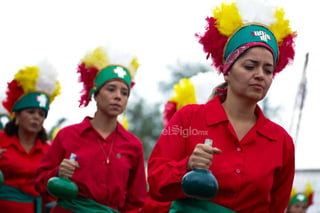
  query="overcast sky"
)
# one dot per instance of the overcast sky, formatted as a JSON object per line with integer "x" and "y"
{"x": 160, "y": 33}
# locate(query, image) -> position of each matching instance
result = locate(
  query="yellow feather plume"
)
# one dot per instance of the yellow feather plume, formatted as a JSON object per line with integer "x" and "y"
{"x": 56, "y": 92}
{"x": 281, "y": 28}
{"x": 97, "y": 58}
{"x": 27, "y": 78}
{"x": 124, "y": 121}
{"x": 184, "y": 93}
{"x": 134, "y": 67}
{"x": 228, "y": 18}
{"x": 309, "y": 190}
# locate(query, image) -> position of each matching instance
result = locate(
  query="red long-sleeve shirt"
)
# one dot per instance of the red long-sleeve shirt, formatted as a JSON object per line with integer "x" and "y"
{"x": 121, "y": 184}
{"x": 19, "y": 171}
{"x": 255, "y": 174}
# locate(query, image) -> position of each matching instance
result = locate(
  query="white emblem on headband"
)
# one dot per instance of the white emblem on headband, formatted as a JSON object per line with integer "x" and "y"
{"x": 120, "y": 71}
{"x": 42, "y": 99}
{"x": 263, "y": 35}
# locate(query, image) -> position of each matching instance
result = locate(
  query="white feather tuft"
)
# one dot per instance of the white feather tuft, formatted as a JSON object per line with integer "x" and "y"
{"x": 261, "y": 11}
{"x": 47, "y": 80}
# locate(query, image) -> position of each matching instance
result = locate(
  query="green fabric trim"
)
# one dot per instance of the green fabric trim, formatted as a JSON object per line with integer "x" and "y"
{"x": 32, "y": 100}
{"x": 14, "y": 194}
{"x": 189, "y": 205}
{"x": 252, "y": 33}
{"x": 111, "y": 72}
{"x": 85, "y": 205}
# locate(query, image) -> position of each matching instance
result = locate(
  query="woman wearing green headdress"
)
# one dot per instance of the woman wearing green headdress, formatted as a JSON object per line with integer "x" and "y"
{"x": 108, "y": 161}
{"x": 24, "y": 141}
{"x": 251, "y": 157}
{"x": 301, "y": 198}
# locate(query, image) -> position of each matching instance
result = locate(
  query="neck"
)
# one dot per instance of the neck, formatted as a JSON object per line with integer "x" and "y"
{"x": 27, "y": 139}
{"x": 238, "y": 109}
{"x": 103, "y": 125}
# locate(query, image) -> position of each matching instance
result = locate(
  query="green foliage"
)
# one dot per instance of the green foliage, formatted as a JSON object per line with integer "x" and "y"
{"x": 145, "y": 121}
{"x": 55, "y": 128}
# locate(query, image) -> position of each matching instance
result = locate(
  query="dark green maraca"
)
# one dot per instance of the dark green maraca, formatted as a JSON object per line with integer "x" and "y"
{"x": 63, "y": 188}
{"x": 200, "y": 183}
{"x": 1, "y": 178}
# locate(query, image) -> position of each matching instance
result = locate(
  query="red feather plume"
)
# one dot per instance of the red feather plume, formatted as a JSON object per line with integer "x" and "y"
{"x": 213, "y": 43}
{"x": 169, "y": 109}
{"x": 87, "y": 76}
{"x": 14, "y": 92}
{"x": 286, "y": 52}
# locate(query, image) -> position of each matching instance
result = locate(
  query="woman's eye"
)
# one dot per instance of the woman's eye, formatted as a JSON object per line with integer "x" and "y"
{"x": 249, "y": 67}
{"x": 125, "y": 93}
{"x": 269, "y": 72}
{"x": 111, "y": 89}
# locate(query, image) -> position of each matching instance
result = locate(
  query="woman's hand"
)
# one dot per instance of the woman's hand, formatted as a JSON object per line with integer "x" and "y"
{"x": 67, "y": 168}
{"x": 202, "y": 156}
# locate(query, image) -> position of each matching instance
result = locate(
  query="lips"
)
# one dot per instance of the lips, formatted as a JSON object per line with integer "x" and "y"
{"x": 256, "y": 86}
{"x": 34, "y": 125}
{"x": 115, "y": 106}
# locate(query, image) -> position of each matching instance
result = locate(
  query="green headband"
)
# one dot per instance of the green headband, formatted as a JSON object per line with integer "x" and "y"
{"x": 4, "y": 118}
{"x": 300, "y": 197}
{"x": 252, "y": 34}
{"x": 32, "y": 100}
{"x": 111, "y": 72}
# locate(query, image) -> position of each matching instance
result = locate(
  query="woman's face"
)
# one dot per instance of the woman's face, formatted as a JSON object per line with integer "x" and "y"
{"x": 251, "y": 75}
{"x": 298, "y": 207}
{"x": 112, "y": 98}
{"x": 31, "y": 119}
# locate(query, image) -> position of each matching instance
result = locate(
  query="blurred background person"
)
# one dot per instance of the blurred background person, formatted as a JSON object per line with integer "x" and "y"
{"x": 301, "y": 198}
{"x": 23, "y": 141}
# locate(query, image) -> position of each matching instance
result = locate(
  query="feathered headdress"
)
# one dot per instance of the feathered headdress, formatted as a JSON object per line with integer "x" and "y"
{"x": 194, "y": 90}
{"x": 237, "y": 26}
{"x": 4, "y": 115}
{"x": 102, "y": 65}
{"x": 302, "y": 194}
{"x": 32, "y": 87}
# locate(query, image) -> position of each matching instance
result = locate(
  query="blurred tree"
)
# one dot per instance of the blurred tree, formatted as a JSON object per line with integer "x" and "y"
{"x": 182, "y": 70}
{"x": 56, "y": 127}
{"x": 271, "y": 112}
{"x": 145, "y": 121}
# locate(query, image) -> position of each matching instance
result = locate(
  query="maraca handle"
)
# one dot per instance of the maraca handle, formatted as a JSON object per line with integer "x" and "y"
{"x": 73, "y": 157}
{"x": 208, "y": 142}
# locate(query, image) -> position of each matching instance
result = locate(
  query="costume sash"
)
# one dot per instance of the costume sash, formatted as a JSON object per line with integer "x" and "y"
{"x": 81, "y": 204}
{"x": 14, "y": 194}
{"x": 189, "y": 205}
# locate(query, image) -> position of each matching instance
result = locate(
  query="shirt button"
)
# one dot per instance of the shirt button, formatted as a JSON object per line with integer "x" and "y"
{"x": 238, "y": 149}
{"x": 237, "y": 171}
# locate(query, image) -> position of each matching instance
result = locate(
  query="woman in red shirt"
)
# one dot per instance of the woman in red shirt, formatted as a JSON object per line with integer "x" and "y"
{"x": 249, "y": 55}
{"x": 109, "y": 166}
{"x": 23, "y": 142}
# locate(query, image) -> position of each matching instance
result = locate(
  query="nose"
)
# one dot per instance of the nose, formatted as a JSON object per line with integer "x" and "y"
{"x": 259, "y": 73}
{"x": 118, "y": 94}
